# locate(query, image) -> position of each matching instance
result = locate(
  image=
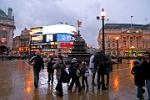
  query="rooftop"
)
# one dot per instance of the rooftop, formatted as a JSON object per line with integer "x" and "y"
{"x": 126, "y": 26}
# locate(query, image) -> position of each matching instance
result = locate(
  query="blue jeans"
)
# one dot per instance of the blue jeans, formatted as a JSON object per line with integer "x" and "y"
{"x": 139, "y": 91}
{"x": 148, "y": 87}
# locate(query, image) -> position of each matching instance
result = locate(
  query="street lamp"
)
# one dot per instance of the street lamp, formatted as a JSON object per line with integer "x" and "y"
{"x": 103, "y": 14}
{"x": 30, "y": 41}
{"x": 117, "y": 38}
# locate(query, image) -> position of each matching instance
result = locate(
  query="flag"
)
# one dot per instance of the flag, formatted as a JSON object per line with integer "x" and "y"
{"x": 79, "y": 23}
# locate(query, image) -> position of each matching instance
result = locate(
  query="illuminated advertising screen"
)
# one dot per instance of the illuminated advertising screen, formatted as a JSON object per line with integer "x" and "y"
{"x": 64, "y": 37}
{"x": 49, "y": 38}
{"x": 37, "y": 39}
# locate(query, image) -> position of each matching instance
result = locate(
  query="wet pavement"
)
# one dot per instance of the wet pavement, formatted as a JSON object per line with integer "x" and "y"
{"x": 16, "y": 83}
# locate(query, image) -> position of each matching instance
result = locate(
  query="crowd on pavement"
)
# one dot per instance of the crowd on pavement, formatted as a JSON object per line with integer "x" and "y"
{"x": 99, "y": 64}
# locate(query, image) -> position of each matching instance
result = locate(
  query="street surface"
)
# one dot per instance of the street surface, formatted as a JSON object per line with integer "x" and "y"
{"x": 16, "y": 83}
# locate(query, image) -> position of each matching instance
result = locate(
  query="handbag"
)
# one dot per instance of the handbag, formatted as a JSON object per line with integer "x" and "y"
{"x": 86, "y": 73}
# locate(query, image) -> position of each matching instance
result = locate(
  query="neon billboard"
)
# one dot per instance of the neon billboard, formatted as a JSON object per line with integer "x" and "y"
{"x": 63, "y": 37}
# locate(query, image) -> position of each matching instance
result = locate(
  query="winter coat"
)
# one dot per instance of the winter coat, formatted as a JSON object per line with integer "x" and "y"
{"x": 99, "y": 60}
{"x": 84, "y": 72}
{"x": 146, "y": 66}
{"x": 50, "y": 68}
{"x": 138, "y": 73}
{"x": 59, "y": 66}
{"x": 37, "y": 61}
{"x": 74, "y": 70}
{"x": 107, "y": 66}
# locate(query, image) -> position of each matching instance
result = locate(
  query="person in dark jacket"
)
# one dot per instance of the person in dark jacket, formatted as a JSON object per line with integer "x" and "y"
{"x": 84, "y": 74}
{"x": 59, "y": 66}
{"x": 146, "y": 66}
{"x": 139, "y": 80}
{"x": 107, "y": 68}
{"x": 50, "y": 70}
{"x": 74, "y": 73}
{"x": 38, "y": 64}
{"x": 99, "y": 62}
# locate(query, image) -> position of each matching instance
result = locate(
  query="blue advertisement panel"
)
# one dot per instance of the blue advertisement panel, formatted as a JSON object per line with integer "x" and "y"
{"x": 64, "y": 37}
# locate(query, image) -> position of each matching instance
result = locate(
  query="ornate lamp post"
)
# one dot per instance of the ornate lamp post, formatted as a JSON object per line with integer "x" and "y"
{"x": 103, "y": 14}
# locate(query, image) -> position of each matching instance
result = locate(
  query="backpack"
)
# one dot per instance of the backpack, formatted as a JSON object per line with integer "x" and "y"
{"x": 78, "y": 72}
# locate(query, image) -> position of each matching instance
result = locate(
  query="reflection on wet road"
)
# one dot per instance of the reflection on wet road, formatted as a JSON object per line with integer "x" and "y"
{"x": 16, "y": 83}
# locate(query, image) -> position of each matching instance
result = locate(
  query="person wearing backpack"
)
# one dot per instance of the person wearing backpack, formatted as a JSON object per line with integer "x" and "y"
{"x": 59, "y": 66}
{"x": 38, "y": 64}
{"x": 50, "y": 70}
{"x": 75, "y": 73}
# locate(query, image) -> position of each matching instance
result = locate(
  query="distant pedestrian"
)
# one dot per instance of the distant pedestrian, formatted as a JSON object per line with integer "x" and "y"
{"x": 107, "y": 68}
{"x": 99, "y": 62}
{"x": 59, "y": 66}
{"x": 38, "y": 64}
{"x": 75, "y": 73}
{"x": 84, "y": 74}
{"x": 139, "y": 80}
{"x": 146, "y": 66}
{"x": 50, "y": 70}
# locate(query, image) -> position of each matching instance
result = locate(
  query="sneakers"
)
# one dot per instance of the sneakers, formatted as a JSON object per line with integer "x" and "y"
{"x": 94, "y": 84}
{"x": 143, "y": 90}
{"x": 138, "y": 99}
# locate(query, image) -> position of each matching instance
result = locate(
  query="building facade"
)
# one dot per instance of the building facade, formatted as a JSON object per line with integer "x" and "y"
{"x": 24, "y": 41}
{"x": 16, "y": 43}
{"x": 7, "y": 28}
{"x": 126, "y": 39}
{"x": 21, "y": 43}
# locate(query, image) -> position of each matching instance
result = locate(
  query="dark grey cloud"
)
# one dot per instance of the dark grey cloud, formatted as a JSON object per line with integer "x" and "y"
{"x": 31, "y": 13}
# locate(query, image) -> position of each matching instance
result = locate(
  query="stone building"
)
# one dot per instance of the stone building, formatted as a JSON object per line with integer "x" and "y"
{"x": 21, "y": 43}
{"x": 16, "y": 43}
{"x": 24, "y": 40}
{"x": 126, "y": 39}
{"x": 7, "y": 28}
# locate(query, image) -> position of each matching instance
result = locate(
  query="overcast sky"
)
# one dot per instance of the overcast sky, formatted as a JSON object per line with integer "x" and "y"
{"x": 32, "y": 13}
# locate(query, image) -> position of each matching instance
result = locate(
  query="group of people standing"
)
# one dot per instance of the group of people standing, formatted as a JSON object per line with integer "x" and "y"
{"x": 101, "y": 64}
{"x": 141, "y": 72}
{"x": 75, "y": 69}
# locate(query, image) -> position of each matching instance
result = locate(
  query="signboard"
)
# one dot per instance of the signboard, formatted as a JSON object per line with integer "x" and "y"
{"x": 59, "y": 28}
{"x": 64, "y": 37}
{"x": 37, "y": 39}
{"x": 65, "y": 45}
{"x": 49, "y": 38}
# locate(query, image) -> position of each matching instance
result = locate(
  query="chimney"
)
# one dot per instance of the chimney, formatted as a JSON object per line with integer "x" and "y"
{"x": 10, "y": 13}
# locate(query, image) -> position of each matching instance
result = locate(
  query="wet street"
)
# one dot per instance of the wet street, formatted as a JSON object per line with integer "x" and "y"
{"x": 16, "y": 83}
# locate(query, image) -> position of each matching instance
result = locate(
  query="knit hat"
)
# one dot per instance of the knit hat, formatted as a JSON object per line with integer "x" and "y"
{"x": 137, "y": 62}
{"x": 74, "y": 60}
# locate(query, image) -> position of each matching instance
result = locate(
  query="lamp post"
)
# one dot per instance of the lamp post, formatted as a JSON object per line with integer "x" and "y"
{"x": 103, "y": 14}
{"x": 30, "y": 41}
{"x": 117, "y": 38}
